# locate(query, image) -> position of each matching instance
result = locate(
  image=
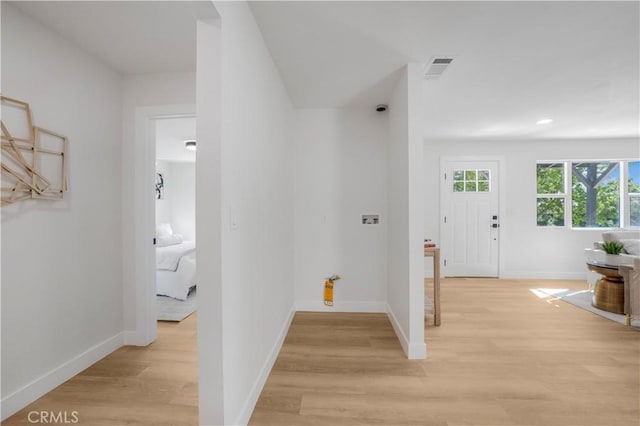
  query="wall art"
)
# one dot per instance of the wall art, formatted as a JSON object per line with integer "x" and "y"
{"x": 159, "y": 186}
{"x": 34, "y": 159}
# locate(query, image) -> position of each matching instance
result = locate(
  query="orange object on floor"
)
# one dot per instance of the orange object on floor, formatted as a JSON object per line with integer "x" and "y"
{"x": 328, "y": 293}
{"x": 328, "y": 289}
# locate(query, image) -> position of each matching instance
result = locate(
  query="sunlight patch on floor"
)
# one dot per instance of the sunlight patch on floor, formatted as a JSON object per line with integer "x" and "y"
{"x": 543, "y": 293}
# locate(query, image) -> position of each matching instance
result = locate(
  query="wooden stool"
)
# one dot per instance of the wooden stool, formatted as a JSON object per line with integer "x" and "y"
{"x": 609, "y": 292}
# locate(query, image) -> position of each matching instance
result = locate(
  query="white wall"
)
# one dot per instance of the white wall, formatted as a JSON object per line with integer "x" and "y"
{"x": 340, "y": 173}
{"x": 61, "y": 261}
{"x": 405, "y": 292}
{"x": 209, "y": 220}
{"x": 142, "y": 91}
{"x": 257, "y": 211}
{"x": 526, "y": 251}
{"x": 178, "y": 207}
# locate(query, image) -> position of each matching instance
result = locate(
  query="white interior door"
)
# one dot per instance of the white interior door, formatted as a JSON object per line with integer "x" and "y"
{"x": 470, "y": 215}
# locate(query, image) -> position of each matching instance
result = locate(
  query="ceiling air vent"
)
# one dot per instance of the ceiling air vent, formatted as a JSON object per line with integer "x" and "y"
{"x": 436, "y": 66}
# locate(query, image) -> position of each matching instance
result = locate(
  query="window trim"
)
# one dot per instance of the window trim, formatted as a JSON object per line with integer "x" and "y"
{"x": 625, "y": 208}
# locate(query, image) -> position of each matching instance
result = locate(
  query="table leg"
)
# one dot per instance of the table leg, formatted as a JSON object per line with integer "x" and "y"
{"x": 436, "y": 287}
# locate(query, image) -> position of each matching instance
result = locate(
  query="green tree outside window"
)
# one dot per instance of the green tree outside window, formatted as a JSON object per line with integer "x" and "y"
{"x": 596, "y": 194}
{"x": 550, "y": 202}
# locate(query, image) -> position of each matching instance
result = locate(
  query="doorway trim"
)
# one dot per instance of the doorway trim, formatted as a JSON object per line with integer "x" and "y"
{"x": 501, "y": 160}
{"x": 146, "y": 330}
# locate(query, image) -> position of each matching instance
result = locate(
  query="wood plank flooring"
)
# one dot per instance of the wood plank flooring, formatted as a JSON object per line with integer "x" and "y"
{"x": 502, "y": 356}
{"x": 154, "y": 385}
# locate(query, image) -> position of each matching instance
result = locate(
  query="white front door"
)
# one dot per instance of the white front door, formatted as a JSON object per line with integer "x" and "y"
{"x": 470, "y": 215}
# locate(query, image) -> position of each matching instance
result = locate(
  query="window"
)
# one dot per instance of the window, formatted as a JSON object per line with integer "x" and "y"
{"x": 471, "y": 180}
{"x": 595, "y": 195}
{"x": 588, "y": 194}
{"x": 551, "y": 194}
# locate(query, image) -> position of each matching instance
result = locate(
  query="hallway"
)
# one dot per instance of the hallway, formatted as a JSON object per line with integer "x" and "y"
{"x": 154, "y": 385}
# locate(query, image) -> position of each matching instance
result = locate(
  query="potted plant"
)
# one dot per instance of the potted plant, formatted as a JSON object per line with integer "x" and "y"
{"x": 612, "y": 250}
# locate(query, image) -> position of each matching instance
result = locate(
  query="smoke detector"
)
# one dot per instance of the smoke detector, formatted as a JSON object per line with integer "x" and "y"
{"x": 436, "y": 66}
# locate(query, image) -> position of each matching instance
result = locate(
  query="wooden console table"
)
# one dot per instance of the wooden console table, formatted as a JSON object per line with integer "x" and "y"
{"x": 434, "y": 252}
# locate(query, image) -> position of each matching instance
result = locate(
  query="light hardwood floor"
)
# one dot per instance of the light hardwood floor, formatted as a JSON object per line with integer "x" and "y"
{"x": 502, "y": 356}
{"x": 154, "y": 385}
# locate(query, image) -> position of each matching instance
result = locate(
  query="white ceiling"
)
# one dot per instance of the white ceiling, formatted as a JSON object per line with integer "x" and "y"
{"x": 514, "y": 62}
{"x": 132, "y": 37}
{"x": 171, "y": 133}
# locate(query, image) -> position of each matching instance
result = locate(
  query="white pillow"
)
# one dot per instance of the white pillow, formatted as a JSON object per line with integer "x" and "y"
{"x": 631, "y": 246}
{"x": 164, "y": 230}
{"x": 608, "y": 236}
{"x": 168, "y": 240}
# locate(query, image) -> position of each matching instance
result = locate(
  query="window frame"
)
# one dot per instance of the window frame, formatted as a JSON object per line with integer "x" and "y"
{"x": 567, "y": 195}
{"x": 626, "y": 202}
{"x": 558, "y": 195}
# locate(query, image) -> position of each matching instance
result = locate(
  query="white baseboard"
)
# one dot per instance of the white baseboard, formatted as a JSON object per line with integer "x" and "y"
{"x": 137, "y": 338}
{"x": 404, "y": 341}
{"x": 252, "y": 399}
{"x": 318, "y": 306}
{"x": 131, "y": 338}
{"x": 414, "y": 350}
{"x": 24, "y": 396}
{"x": 417, "y": 350}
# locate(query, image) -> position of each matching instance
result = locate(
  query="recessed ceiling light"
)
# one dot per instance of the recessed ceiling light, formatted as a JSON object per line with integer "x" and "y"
{"x": 544, "y": 121}
{"x": 190, "y": 145}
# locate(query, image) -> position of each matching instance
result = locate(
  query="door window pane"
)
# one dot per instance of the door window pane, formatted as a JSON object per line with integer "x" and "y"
{"x": 471, "y": 180}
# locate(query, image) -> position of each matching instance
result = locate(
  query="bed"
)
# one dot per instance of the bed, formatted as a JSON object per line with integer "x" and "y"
{"x": 175, "y": 266}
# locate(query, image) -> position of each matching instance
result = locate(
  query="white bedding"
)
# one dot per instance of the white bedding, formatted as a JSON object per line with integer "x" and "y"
{"x": 168, "y": 258}
{"x": 176, "y": 269}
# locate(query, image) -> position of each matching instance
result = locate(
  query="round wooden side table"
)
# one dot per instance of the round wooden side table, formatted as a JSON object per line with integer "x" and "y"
{"x": 609, "y": 292}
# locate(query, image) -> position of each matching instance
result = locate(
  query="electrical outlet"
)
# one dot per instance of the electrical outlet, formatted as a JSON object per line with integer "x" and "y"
{"x": 370, "y": 219}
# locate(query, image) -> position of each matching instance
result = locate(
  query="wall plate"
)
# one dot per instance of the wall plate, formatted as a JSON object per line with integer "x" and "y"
{"x": 370, "y": 219}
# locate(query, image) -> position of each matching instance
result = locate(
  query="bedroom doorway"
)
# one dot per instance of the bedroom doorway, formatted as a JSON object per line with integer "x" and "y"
{"x": 175, "y": 217}
{"x": 144, "y": 225}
